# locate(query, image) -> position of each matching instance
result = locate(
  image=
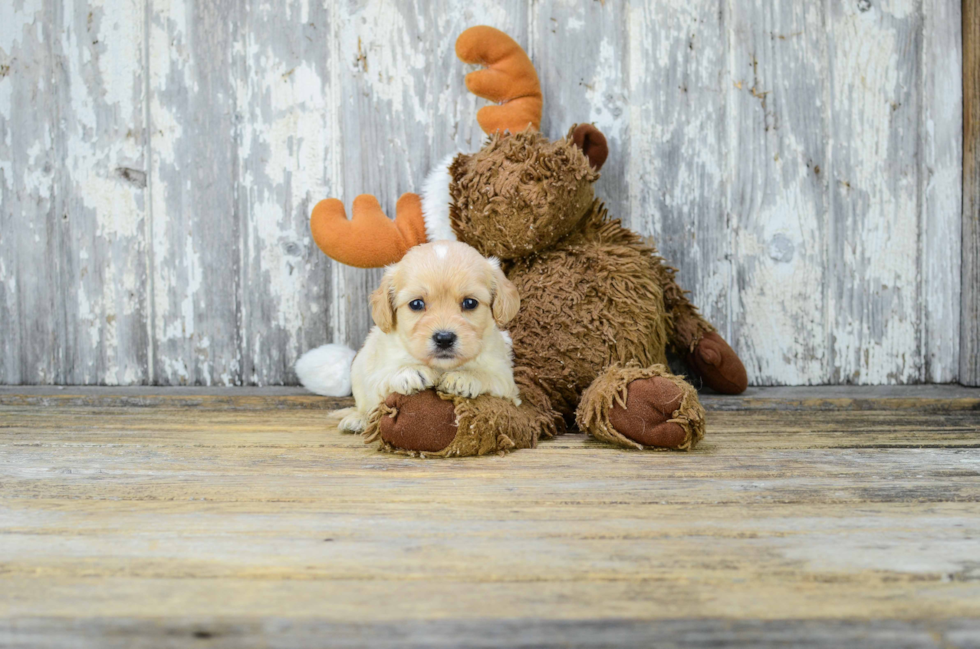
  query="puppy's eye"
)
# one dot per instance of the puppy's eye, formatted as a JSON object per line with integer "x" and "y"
{"x": 417, "y": 305}
{"x": 469, "y": 304}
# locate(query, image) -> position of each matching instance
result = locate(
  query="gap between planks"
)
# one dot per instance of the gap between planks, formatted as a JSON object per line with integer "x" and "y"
{"x": 934, "y": 398}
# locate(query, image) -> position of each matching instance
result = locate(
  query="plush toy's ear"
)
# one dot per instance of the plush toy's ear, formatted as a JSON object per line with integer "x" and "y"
{"x": 592, "y": 142}
{"x": 382, "y": 305}
{"x": 506, "y": 299}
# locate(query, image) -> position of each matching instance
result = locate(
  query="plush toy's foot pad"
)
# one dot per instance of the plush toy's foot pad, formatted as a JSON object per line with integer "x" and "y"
{"x": 641, "y": 408}
{"x": 419, "y": 422}
{"x": 718, "y": 365}
{"x": 650, "y": 404}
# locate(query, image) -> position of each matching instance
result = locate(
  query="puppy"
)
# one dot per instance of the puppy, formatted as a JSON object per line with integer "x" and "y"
{"x": 437, "y": 314}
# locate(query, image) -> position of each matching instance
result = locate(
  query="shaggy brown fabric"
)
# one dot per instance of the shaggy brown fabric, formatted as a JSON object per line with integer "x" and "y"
{"x": 591, "y": 301}
{"x": 642, "y": 422}
{"x": 685, "y": 325}
{"x": 718, "y": 365}
{"x": 519, "y": 193}
{"x": 694, "y": 339}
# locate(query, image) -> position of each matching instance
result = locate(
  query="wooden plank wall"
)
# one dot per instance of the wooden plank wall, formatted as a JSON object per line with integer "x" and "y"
{"x": 970, "y": 301}
{"x": 799, "y": 161}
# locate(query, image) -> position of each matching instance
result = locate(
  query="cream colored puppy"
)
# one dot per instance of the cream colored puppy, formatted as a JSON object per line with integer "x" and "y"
{"x": 437, "y": 314}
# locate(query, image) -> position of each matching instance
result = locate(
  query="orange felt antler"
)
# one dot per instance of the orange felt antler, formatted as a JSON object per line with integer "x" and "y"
{"x": 370, "y": 239}
{"x": 508, "y": 79}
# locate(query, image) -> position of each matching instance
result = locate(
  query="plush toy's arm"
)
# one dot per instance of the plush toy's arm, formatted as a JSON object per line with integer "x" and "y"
{"x": 697, "y": 342}
{"x": 689, "y": 326}
{"x": 370, "y": 239}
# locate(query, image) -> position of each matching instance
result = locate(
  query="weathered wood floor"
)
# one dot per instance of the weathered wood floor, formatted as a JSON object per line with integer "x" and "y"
{"x": 809, "y": 517}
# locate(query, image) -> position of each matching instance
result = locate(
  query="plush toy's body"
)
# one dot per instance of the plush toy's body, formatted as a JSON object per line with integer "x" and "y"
{"x": 599, "y": 308}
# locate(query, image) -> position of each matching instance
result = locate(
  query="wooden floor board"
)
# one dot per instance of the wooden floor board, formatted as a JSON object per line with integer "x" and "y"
{"x": 134, "y": 519}
{"x": 236, "y": 633}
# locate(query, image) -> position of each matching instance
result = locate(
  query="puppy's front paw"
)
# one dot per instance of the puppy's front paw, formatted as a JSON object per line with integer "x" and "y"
{"x": 462, "y": 384}
{"x": 410, "y": 380}
{"x": 355, "y": 422}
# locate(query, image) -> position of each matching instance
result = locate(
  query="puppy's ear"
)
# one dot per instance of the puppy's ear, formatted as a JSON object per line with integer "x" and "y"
{"x": 506, "y": 299}
{"x": 382, "y": 306}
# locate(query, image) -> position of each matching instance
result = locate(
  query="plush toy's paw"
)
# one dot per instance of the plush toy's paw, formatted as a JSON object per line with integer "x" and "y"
{"x": 650, "y": 404}
{"x": 642, "y": 407}
{"x": 463, "y": 384}
{"x": 420, "y": 422}
{"x": 718, "y": 365}
{"x": 410, "y": 380}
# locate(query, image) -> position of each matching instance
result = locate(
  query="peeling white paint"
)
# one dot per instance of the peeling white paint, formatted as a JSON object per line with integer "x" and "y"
{"x": 942, "y": 177}
{"x": 875, "y": 197}
{"x": 716, "y": 123}
{"x": 677, "y": 166}
{"x": 778, "y": 163}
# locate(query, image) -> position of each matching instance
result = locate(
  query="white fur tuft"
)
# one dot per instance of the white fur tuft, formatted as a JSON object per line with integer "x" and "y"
{"x": 435, "y": 202}
{"x": 326, "y": 370}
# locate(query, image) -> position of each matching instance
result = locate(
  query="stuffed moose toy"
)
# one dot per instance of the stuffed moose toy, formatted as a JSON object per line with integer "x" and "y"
{"x": 599, "y": 307}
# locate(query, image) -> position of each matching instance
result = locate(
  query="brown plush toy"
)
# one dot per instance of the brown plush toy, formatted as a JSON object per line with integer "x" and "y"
{"x": 599, "y": 307}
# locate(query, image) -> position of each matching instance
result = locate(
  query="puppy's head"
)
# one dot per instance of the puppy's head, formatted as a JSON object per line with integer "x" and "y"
{"x": 442, "y": 299}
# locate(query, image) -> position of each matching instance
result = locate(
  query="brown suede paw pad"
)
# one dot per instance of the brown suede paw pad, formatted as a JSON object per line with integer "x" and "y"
{"x": 718, "y": 365}
{"x": 650, "y": 404}
{"x": 421, "y": 422}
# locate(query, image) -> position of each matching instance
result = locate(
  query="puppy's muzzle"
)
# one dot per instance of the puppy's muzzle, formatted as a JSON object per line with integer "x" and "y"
{"x": 444, "y": 340}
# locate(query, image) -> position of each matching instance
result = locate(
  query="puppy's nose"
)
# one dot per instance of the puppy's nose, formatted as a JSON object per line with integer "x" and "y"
{"x": 444, "y": 339}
